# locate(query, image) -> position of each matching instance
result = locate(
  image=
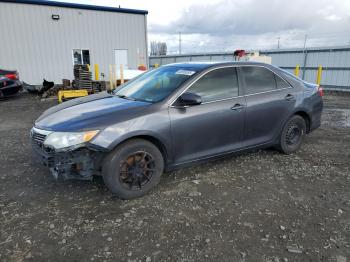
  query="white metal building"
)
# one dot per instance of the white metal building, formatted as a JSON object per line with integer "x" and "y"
{"x": 44, "y": 39}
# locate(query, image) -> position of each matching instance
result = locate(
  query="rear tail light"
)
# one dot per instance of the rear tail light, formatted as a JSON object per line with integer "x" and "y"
{"x": 12, "y": 76}
{"x": 320, "y": 91}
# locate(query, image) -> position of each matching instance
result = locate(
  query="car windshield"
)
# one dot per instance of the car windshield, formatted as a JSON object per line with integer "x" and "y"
{"x": 153, "y": 86}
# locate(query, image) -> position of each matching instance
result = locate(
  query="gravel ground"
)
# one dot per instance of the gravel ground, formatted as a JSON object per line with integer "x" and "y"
{"x": 258, "y": 206}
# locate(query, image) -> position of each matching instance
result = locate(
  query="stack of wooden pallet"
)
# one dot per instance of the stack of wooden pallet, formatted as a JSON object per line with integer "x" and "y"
{"x": 82, "y": 78}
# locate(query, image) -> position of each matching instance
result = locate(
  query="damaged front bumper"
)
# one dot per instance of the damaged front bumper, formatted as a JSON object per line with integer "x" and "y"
{"x": 79, "y": 163}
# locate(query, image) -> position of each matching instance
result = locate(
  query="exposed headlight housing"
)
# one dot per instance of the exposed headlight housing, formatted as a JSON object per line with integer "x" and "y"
{"x": 61, "y": 140}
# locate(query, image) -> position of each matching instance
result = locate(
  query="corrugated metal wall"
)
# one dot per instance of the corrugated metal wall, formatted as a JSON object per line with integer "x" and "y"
{"x": 335, "y": 62}
{"x": 39, "y": 47}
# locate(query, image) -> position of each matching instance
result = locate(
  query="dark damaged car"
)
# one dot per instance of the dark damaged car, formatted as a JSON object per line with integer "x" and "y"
{"x": 175, "y": 116}
{"x": 9, "y": 83}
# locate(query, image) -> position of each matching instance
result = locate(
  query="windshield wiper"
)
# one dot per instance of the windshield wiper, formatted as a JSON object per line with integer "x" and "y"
{"x": 126, "y": 97}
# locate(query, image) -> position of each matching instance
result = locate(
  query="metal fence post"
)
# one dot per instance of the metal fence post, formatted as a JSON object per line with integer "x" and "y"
{"x": 297, "y": 70}
{"x": 304, "y": 66}
{"x": 110, "y": 77}
{"x": 319, "y": 75}
{"x": 96, "y": 72}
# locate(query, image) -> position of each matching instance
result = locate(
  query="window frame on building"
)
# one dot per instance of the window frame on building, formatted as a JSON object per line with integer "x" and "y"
{"x": 81, "y": 56}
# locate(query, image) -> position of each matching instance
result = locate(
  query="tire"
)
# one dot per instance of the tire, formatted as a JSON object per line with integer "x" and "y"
{"x": 292, "y": 135}
{"x": 133, "y": 168}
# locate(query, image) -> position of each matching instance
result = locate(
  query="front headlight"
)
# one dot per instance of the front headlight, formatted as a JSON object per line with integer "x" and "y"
{"x": 59, "y": 140}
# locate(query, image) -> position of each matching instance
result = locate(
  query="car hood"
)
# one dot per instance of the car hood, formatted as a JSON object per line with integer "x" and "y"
{"x": 90, "y": 112}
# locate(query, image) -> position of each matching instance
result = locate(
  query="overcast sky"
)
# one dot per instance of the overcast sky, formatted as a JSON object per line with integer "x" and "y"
{"x": 225, "y": 25}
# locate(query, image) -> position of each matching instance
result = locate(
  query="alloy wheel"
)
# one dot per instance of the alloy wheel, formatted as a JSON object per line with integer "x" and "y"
{"x": 137, "y": 170}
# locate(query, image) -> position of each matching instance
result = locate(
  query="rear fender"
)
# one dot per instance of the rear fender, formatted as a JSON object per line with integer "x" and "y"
{"x": 304, "y": 112}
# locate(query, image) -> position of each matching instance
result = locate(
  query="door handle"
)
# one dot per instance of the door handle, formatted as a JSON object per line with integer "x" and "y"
{"x": 289, "y": 97}
{"x": 237, "y": 107}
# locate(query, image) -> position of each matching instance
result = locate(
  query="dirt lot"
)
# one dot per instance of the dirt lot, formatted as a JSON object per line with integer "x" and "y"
{"x": 259, "y": 206}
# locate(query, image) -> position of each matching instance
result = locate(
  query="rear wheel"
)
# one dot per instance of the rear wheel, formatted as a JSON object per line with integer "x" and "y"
{"x": 133, "y": 168}
{"x": 292, "y": 134}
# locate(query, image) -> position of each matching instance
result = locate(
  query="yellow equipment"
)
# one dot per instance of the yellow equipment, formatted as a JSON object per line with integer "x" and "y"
{"x": 64, "y": 95}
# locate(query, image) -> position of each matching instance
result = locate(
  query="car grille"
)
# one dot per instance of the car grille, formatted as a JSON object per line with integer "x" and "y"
{"x": 41, "y": 153}
{"x": 38, "y": 138}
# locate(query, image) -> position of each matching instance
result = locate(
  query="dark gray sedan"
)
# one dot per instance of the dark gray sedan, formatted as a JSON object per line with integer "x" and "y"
{"x": 174, "y": 116}
{"x": 9, "y": 83}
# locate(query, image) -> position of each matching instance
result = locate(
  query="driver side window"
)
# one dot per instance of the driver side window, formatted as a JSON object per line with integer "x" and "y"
{"x": 216, "y": 85}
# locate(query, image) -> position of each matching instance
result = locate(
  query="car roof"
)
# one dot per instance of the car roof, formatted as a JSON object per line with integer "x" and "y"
{"x": 211, "y": 64}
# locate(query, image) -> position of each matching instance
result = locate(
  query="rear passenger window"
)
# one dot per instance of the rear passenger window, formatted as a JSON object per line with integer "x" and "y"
{"x": 281, "y": 83}
{"x": 258, "y": 79}
{"x": 218, "y": 84}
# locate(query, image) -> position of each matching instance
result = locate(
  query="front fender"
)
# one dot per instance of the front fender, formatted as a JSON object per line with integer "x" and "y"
{"x": 156, "y": 126}
{"x": 139, "y": 133}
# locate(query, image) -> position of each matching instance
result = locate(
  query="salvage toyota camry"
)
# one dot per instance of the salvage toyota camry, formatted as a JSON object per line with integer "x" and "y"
{"x": 174, "y": 116}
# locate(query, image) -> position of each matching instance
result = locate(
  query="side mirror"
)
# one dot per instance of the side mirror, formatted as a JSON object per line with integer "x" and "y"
{"x": 189, "y": 99}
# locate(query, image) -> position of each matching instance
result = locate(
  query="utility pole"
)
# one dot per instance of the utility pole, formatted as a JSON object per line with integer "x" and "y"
{"x": 278, "y": 42}
{"x": 305, "y": 42}
{"x": 305, "y": 58}
{"x": 179, "y": 43}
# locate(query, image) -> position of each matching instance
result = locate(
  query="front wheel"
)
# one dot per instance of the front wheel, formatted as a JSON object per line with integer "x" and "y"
{"x": 292, "y": 134}
{"x": 133, "y": 168}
